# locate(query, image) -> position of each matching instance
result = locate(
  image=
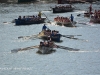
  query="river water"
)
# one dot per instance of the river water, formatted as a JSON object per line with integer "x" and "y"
{"x": 86, "y": 61}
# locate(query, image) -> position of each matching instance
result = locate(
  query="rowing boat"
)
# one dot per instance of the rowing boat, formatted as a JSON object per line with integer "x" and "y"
{"x": 67, "y": 24}
{"x": 62, "y": 8}
{"x": 45, "y": 50}
{"x": 48, "y": 35}
{"x": 29, "y": 21}
{"x": 95, "y": 20}
{"x": 64, "y": 21}
{"x": 46, "y": 47}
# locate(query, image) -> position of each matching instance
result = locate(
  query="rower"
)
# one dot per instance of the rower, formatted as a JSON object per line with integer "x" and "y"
{"x": 24, "y": 18}
{"x": 19, "y": 18}
{"x": 41, "y": 44}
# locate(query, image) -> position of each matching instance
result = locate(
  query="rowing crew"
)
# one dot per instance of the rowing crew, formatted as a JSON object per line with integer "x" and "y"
{"x": 37, "y": 17}
{"x": 63, "y": 7}
{"x": 61, "y": 19}
{"x": 97, "y": 14}
{"x": 47, "y": 31}
{"x": 47, "y": 43}
{"x": 64, "y": 19}
{"x": 29, "y": 18}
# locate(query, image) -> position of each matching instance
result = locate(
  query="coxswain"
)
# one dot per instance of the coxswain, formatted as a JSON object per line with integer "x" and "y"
{"x": 72, "y": 18}
{"x": 44, "y": 27}
{"x": 90, "y": 9}
{"x": 39, "y": 14}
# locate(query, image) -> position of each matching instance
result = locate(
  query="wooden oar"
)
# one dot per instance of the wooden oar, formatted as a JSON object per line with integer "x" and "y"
{"x": 82, "y": 23}
{"x": 23, "y": 49}
{"x": 71, "y": 36}
{"x": 27, "y": 37}
{"x": 67, "y": 36}
{"x": 67, "y": 48}
{"x": 6, "y": 22}
{"x": 23, "y": 37}
{"x": 47, "y": 18}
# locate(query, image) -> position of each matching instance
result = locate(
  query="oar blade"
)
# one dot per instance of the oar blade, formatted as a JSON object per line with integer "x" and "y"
{"x": 78, "y": 35}
{"x": 33, "y": 37}
{"x": 24, "y": 49}
{"x": 67, "y": 48}
{"x": 15, "y": 50}
{"x": 23, "y": 37}
{"x": 68, "y": 36}
{"x": 72, "y": 37}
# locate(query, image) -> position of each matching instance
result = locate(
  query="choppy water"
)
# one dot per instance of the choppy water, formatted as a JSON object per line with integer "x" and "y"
{"x": 86, "y": 61}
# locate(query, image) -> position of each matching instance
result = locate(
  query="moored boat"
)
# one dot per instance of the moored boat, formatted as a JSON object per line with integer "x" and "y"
{"x": 62, "y": 8}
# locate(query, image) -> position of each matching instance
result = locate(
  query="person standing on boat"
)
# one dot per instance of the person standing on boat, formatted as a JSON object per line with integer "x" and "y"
{"x": 44, "y": 27}
{"x": 90, "y": 9}
{"x": 39, "y": 14}
{"x": 71, "y": 18}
